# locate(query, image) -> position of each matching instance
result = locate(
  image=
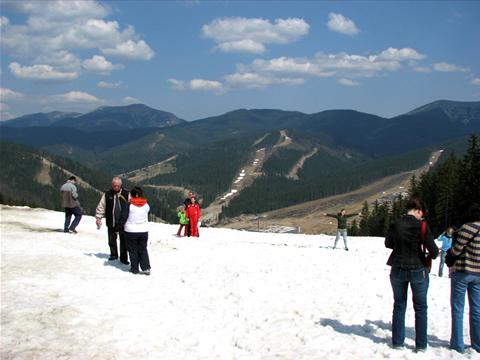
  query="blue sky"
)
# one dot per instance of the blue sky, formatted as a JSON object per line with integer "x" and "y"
{"x": 204, "y": 58}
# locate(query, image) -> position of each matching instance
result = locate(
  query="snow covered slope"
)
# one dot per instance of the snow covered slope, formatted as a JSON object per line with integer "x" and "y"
{"x": 227, "y": 295}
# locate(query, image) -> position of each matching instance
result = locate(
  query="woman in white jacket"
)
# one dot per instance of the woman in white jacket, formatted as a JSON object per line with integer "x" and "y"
{"x": 135, "y": 218}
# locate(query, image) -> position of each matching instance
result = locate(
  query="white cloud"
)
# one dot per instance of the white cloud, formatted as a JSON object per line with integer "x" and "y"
{"x": 348, "y": 82}
{"x": 5, "y": 115}
{"x": 130, "y": 100}
{"x": 205, "y": 85}
{"x": 247, "y": 46}
{"x": 98, "y": 64}
{"x": 342, "y": 24}
{"x": 130, "y": 49}
{"x": 422, "y": 69}
{"x": 293, "y": 71}
{"x": 109, "y": 85}
{"x": 8, "y": 94}
{"x": 178, "y": 85}
{"x": 62, "y": 59}
{"x": 401, "y": 54}
{"x": 41, "y": 73}
{"x": 4, "y": 21}
{"x": 198, "y": 85}
{"x": 476, "y": 81}
{"x": 59, "y": 9}
{"x": 345, "y": 67}
{"x": 249, "y": 35}
{"x": 446, "y": 67}
{"x": 326, "y": 65}
{"x": 56, "y": 32}
{"x": 254, "y": 80}
{"x": 78, "y": 97}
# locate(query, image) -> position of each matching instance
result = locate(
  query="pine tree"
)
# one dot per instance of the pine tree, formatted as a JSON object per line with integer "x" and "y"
{"x": 413, "y": 189}
{"x": 447, "y": 181}
{"x": 353, "y": 228}
{"x": 365, "y": 214}
{"x": 398, "y": 207}
{"x": 468, "y": 191}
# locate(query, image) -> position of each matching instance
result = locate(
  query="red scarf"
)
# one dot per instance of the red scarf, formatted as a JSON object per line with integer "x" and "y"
{"x": 138, "y": 201}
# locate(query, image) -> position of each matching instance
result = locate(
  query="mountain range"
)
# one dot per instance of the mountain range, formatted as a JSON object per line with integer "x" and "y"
{"x": 104, "y": 118}
{"x": 328, "y": 152}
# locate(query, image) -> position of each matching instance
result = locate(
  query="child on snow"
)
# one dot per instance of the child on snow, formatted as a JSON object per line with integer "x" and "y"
{"x": 182, "y": 218}
{"x": 446, "y": 240}
{"x": 193, "y": 214}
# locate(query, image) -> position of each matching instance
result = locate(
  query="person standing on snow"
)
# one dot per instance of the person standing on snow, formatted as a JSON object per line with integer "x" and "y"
{"x": 182, "y": 219}
{"x": 187, "y": 202}
{"x": 409, "y": 267}
{"x": 110, "y": 206}
{"x": 465, "y": 278}
{"x": 193, "y": 215}
{"x": 71, "y": 205}
{"x": 135, "y": 220}
{"x": 341, "y": 226}
{"x": 446, "y": 239}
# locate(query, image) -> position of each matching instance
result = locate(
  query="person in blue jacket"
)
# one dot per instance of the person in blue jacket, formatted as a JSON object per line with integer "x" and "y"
{"x": 446, "y": 239}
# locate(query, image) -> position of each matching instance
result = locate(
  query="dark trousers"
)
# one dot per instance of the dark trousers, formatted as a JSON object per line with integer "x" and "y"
{"x": 185, "y": 232}
{"x": 77, "y": 212}
{"x": 137, "y": 247}
{"x": 112, "y": 242}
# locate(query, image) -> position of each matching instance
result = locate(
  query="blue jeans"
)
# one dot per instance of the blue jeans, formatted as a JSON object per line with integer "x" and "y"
{"x": 341, "y": 232}
{"x": 418, "y": 280}
{"x": 77, "y": 212}
{"x": 461, "y": 283}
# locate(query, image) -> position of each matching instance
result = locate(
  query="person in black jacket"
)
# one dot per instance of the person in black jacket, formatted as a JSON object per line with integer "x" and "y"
{"x": 110, "y": 206}
{"x": 409, "y": 267}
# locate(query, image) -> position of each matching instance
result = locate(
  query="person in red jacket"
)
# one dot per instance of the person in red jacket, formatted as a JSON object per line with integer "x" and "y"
{"x": 193, "y": 214}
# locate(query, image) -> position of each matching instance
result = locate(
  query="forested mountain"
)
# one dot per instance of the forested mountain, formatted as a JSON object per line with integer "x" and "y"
{"x": 121, "y": 117}
{"x": 461, "y": 112}
{"x": 449, "y": 190}
{"x": 106, "y": 118}
{"x": 33, "y": 178}
{"x": 39, "y": 119}
{"x": 329, "y": 152}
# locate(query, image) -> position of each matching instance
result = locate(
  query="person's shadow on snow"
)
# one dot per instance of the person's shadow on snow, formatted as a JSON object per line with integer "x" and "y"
{"x": 115, "y": 263}
{"x": 368, "y": 329}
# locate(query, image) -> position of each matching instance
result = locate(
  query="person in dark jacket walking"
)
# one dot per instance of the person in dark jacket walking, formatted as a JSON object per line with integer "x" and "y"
{"x": 71, "y": 205}
{"x": 110, "y": 207}
{"x": 409, "y": 267}
{"x": 341, "y": 226}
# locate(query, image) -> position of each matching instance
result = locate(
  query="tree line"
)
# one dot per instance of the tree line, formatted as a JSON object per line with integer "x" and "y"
{"x": 448, "y": 190}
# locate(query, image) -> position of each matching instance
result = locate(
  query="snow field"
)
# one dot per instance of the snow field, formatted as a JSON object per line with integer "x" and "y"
{"x": 227, "y": 295}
